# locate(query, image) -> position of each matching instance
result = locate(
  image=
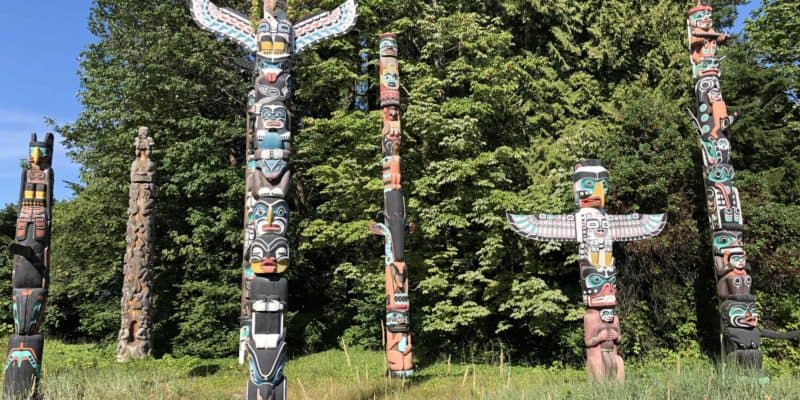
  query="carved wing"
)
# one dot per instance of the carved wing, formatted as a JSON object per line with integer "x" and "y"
{"x": 544, "y": 227}
{"x": 325, "y": 25}
{"x": 625, "y": 228}
{"x": 225, "y": 22}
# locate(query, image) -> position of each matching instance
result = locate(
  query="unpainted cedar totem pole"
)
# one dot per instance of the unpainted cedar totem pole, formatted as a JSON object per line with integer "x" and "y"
{"x": 31, "y": 273}
{"x": 595, "y": 231}
{"x": 741, "y": 337}
{"x": 272, "y": 39}
{"x": 397, "y": 334}
{"x": 136, "y": 321}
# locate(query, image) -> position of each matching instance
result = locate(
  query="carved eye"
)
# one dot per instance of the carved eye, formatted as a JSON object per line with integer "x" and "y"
{"x": 594, "y": 280}
{"x": 260, "y": 211}
{"x": 748, "y": 281}
{"x": 281, "y": 253}
{"x": 284, "y": 28}
{"x": 257, "y": 253}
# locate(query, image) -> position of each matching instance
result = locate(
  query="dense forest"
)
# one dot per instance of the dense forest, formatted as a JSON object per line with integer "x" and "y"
{"x": 500, "y": 99}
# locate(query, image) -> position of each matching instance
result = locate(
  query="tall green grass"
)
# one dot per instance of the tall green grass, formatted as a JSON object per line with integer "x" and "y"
{"x": 88, "y": 372}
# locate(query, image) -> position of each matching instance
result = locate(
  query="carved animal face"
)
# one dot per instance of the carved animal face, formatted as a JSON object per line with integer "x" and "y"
{"x": 700, "y": 17}
{"x": 275, "y": 37}
{"x": 708, "y": 66}
{"x": 720, "y": 174}
{"x": 590, "y": 184}
{"x": 726, "y": 241}
{"x": 599, "y": 287}
{"x": 740, "y": 314}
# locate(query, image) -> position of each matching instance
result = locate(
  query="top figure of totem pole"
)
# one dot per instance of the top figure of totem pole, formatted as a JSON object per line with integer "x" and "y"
{"x": 595, "y": 231}
{"x": 272, "y": 38}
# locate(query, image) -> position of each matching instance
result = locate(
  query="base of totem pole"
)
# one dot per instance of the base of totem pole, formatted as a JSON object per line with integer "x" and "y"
{"x": 400, "y": 374}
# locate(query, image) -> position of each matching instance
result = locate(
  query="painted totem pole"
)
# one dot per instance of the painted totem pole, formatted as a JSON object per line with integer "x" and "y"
{"x": 272, "y": 39}
{"x": 741, "y": 337}
{"x": 362, "y": 86}
{"x": 595, "y": 231}
{"x": 397, "y": 334}
{"x": 31, "y": 274}
{"x": 134, "y": 334}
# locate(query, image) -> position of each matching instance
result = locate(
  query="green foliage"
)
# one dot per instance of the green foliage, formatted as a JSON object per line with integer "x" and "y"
{"x": 775, "y": 32}
{"x": 500, "y": 99}
{"x": 8, "y": 224}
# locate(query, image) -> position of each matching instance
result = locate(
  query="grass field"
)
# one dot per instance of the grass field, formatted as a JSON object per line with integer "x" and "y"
{"x": 88, "y": 372}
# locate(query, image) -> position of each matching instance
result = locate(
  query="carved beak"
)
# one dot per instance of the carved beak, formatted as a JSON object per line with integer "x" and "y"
{"x": 36, "y": 154}
{"x": 599, "y": 194}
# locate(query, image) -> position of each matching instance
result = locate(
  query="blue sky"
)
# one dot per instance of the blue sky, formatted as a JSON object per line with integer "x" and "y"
{"x": 39, "y": 78}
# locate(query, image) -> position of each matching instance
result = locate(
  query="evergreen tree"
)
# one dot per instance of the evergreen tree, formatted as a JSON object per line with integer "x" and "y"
{"x": 500, "y": 99}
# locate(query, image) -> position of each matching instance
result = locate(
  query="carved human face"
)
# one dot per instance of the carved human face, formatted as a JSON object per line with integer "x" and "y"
{"x": 731, "y": 261}
{"x": 269, "y": 215}
{"x": 590, "y": 185}
{"x": 269, "y": 254}
{"x": 274, "y": 117}
{"x": 607, "y": 315}
{"x": 391, "y": 76}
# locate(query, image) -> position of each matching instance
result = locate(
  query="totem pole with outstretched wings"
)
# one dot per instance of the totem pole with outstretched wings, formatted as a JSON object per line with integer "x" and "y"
{"x": 595, "y": 231}
{"x": 272, "y": 40}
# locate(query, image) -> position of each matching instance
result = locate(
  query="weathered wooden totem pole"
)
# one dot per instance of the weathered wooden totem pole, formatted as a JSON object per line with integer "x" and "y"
{"x": 595, "y": 231}
{"x": 397, "y": 333}
{"x": 273, "y": 39}
{"x": 740, "y": 335}
{"x": 31, "y": 274}
{"x": 134, "y": 334}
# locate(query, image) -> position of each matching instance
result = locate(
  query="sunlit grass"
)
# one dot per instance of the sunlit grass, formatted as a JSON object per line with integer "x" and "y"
{"x": 89, "y": 372}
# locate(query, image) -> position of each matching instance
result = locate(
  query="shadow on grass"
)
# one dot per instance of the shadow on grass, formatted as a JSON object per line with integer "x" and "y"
{"x": 203, "y": 370}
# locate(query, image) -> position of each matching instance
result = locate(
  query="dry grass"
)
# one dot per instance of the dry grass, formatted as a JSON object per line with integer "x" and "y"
{"x": 87, "y": 372}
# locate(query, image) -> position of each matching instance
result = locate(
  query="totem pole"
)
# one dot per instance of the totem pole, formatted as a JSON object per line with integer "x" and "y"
{"x": 273, "y": 39}
{"x": 397, "y": 336}
{"x": 595, "y": 231}
{"x": 362, "y": 86}
{"x": 134, "y": 334}
{"x": 740, "y": 336}
{"x": 31, "y": 273}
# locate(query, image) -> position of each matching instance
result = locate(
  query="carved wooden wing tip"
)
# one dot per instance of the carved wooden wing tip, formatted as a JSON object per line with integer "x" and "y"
{"x": 635, "y": 226}
{"x": 544, "y": 227}
{"x": 225, "y": 22}
{"x": 325, "y": 25}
